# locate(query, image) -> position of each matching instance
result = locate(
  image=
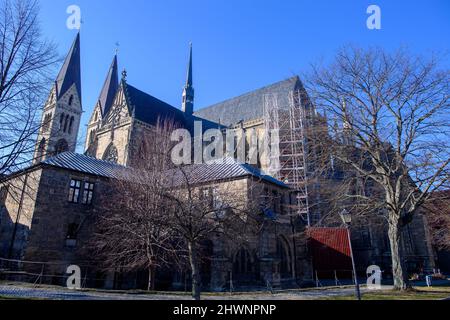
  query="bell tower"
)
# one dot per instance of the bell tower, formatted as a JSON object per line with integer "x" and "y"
{"x": 62, "y": 112}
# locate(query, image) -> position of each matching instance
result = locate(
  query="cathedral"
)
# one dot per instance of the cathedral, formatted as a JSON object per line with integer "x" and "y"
{"x": 46, "y": 208}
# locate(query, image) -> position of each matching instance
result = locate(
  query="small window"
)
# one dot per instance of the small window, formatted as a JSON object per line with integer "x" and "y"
{"x": 71, "y": 237}
{"x": 88, "y": 193}
{"x": 70, "y": 100}
{"x": 206, "y": 195}
{"x": 74, "y": 193}
{"x": 72, "y": 231}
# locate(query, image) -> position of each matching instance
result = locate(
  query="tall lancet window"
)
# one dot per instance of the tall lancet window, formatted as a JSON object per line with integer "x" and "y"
{"x": 41, "y": 150}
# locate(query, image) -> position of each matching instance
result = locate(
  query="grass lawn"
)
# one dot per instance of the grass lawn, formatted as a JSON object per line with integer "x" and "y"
{"x": 420, "y": 293}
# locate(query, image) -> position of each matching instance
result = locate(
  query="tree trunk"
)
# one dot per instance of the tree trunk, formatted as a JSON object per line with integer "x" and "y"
{"x": 398, "y": 272}
{"x": 193, "y": 259}
{"x": 151, "y": 278}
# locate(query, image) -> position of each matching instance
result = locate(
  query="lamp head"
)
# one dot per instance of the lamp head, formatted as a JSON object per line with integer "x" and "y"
{"x": 346, "y": 217}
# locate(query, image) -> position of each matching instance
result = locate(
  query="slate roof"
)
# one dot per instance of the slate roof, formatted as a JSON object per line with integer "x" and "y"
{"x": 249, "y": 106}
{"x": 110, "y": 87}
{"x": 197, "y": 174}
{"x": 85, "y": 164}
{"x": 222, "y": 170}
{"x": 70, "y": 72}
{"x": 149, "y": 109}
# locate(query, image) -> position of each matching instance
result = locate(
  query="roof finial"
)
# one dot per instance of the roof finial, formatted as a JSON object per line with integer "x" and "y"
{"x": 117, "y": 47}
{"x": 124, "y": 75}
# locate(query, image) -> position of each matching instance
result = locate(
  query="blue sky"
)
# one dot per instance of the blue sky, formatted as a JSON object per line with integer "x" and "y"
{"x": 239, "y": 45}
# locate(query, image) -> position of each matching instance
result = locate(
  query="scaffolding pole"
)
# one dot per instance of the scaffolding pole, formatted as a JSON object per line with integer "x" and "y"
{"x": 287, "y": 122}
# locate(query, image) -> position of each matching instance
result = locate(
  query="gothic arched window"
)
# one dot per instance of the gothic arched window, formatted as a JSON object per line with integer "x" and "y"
{"x": 72, "y": 119}
{"x": 41, "y": 149}
{"x": 66, "y": 123}
{"x": 71, "y": 100}
{"x": 46, "y": 123}
{"x": 111, "y": 154}
{"x": 243, "y": 263}
{"x": 92, "y": 136}
{"x": 61, "y": 146}
{"x": 92, "y": 144}
{"x": 61, "y": 121}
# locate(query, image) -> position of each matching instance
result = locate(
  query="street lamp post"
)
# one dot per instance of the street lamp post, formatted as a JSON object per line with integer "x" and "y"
{"x": 347, "y": 219}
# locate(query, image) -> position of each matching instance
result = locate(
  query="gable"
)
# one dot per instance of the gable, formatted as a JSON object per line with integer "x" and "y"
{"x": 70, "y": 100}
{"x": 120, "y": 108}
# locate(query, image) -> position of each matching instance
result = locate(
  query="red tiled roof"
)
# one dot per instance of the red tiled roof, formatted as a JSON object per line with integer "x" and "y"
{"x": 330, "y": 249}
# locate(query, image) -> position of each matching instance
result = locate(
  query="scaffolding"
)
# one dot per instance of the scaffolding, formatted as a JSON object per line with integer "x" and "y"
{"x": 285, "y": 127}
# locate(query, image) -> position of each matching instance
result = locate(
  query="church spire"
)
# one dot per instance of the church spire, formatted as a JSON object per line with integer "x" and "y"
{"x": 189, "y": 73}
{"x": 188, "y": 91}
{"x": 110, "y": 87}
{"x": 71, "y": 70}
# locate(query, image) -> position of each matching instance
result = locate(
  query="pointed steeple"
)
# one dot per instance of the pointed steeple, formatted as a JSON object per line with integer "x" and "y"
{"x": 71, "y": 70}
{"x": 188, "y": 91}
{"x": 189, "y": 82}
{"x": 110, "y": 87}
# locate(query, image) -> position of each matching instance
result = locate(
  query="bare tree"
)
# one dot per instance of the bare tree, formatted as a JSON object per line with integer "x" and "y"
{"x": 132, "y": 232}
{"x": 25, "y": 63}
{"x": 392, "y": 136}
{"x": 200, "y": 211}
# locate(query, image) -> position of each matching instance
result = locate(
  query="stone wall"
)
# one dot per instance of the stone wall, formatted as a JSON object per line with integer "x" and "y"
{"x": 17, "y": 212}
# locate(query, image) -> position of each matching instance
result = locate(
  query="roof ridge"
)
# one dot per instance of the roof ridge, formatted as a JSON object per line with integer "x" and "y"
{"x": 81, "y": 155}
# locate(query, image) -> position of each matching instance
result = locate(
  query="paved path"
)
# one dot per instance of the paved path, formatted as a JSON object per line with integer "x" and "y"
{"x": 26, "y": 292}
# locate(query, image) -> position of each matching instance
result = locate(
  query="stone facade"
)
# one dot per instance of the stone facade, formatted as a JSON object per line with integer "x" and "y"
{"x": 50, "y": 228}
{"x": 53, "y": 233}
